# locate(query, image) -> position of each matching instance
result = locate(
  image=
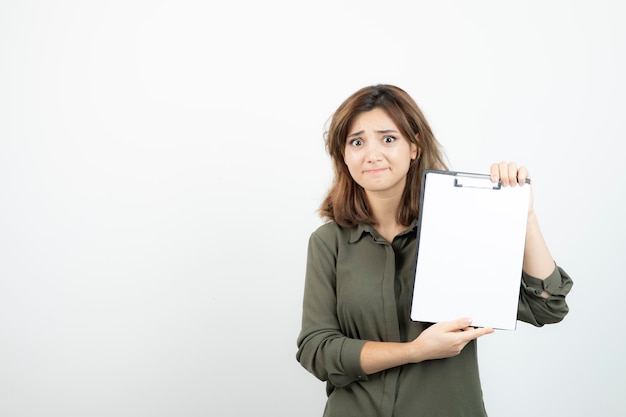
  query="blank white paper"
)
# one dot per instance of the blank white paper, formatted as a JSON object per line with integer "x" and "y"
{"x": 470, "y": 251}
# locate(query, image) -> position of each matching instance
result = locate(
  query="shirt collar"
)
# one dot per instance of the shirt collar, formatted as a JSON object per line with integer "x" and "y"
{"x": 357, "y": 232}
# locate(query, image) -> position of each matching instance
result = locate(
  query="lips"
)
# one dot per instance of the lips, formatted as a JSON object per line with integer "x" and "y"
{"x": 375, "y": 171}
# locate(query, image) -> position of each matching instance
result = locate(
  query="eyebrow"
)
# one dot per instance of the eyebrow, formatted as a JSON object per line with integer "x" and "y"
{"x": 382, "y": 132}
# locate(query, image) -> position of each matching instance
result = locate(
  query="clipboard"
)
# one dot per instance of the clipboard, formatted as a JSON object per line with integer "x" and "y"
{"x": 470, "y": 249}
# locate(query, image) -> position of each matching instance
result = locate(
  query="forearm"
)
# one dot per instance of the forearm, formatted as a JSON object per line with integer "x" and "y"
{"x": 538, "y": 261}
{"x": 378, "y": 356}
{"x": 441, "y": 340}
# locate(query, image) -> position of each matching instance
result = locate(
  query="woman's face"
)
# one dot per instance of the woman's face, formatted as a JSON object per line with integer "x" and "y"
{"x": 377, "y": 155}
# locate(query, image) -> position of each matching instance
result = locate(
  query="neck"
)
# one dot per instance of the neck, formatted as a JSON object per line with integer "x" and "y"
{"x": 384, "y": 209}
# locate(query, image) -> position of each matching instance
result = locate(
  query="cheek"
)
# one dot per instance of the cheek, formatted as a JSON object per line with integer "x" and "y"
{"x": 353, "y": 169}
{"x": 350, "y": 161}
{"x": 410, "y": 152}
{"x": 403, "y": 160}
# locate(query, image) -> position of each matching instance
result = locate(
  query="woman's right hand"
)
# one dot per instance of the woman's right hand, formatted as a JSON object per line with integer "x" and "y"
{"x": 445, "y": 339}
{"x": 441, "y": 340}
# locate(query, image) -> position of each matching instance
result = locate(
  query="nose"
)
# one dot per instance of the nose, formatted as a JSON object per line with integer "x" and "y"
{"x": 374, "y": 153}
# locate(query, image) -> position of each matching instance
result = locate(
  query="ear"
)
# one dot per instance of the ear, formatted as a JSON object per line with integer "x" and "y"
{"x": 415, "y": 150}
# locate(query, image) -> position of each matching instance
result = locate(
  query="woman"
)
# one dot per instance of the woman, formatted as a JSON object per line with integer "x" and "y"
{"x": 356, "y": 330}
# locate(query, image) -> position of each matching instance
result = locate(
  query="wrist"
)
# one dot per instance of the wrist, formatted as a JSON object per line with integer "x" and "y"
{"x": 531, "y": 223}
{"x": 414, "y": 351}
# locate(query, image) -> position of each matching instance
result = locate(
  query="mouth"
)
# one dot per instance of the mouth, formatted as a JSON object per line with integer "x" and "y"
{"x": 374, "y": 171}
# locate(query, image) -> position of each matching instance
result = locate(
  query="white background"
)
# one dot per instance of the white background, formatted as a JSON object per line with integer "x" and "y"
{"x": 161, "y": 163}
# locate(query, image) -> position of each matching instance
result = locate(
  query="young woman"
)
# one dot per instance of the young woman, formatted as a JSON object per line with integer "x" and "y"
{"x": 356, "y": 333}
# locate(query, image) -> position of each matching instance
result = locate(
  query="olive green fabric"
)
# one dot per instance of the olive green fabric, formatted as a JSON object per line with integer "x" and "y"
{"x": 358, "y": 287}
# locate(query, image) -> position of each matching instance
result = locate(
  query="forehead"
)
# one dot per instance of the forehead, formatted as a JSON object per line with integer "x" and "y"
{"x": 375, "y": 119}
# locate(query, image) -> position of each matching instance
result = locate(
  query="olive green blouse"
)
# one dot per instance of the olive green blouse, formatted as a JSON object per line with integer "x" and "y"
{"x": 358, "y": 287}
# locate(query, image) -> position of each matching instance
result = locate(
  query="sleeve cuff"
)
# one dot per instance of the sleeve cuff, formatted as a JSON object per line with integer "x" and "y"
{"x": 553, "y": 284}
{"x": 351, "y": 359}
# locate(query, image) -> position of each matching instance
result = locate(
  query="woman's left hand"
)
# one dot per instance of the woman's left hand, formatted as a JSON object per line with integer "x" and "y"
{"x": 509, "y": 174}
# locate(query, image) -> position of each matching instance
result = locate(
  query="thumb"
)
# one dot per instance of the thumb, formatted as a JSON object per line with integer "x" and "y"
{"x": 458, "y": 324}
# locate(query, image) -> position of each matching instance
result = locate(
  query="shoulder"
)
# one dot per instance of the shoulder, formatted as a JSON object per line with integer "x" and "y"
{"x": 327, "y": 230}
{"x": 330, "y": 234}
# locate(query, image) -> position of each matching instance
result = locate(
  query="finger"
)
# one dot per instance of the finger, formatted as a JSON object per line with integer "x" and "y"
{"x": 503, "y": 167}
{"x": 522, "y": 175}
{"x": 455, "y": 325}
{"x": 512, "y": 173}
{"x": 494, "y": 172}
{"x": 476, "y": 332}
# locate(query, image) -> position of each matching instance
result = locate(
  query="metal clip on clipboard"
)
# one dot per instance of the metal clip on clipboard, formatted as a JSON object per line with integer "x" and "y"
{"x": 477, "y": 181}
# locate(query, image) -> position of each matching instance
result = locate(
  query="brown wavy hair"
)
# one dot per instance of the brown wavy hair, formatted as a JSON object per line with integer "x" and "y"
{"x": 346, "y": 202}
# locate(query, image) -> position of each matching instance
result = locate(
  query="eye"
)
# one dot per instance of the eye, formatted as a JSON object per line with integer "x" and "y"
{"x": 356, "y": 142}
{"x": 389, "y": 139}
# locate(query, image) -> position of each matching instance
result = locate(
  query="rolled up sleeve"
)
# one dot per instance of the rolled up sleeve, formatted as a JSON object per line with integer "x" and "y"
{"x": 537, "y": 310}
{"x": 322, "y": 348}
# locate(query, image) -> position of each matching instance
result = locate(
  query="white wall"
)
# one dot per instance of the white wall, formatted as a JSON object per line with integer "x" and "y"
{"x": 161, "y": 163}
